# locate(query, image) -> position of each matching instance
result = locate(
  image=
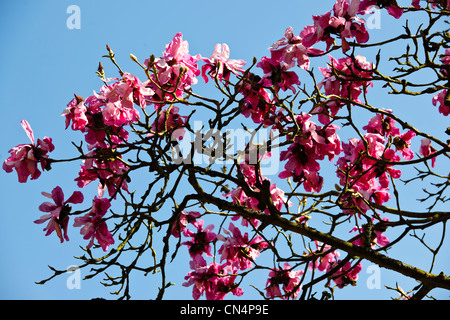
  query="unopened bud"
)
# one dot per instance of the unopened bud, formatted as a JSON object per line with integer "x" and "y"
{"x": 79, "y": 99}
{"x": 151, "y": 61}
{"x": 133, "y": 57}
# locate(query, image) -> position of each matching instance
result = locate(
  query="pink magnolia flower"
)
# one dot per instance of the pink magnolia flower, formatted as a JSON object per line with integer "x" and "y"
{"x": 76, "y": 112}
{"x": 344, "y": 22}
{"x": 94, "y": 226}
{"x": 402, "y": 144}
{"x": 180, "y": 224}
{"x": 256, "y": 103}
{"x": 213, "y": 280}
{"x": 345, "y": 77}
{"x": 239, "y": 196}
{"x": 368, "y": 177}
{"x": 276, "y": 75}
{"x": 383, "y": 125}
{"x": 445, "y": 59}
{"x": 118, "y": 99}
{"x": 346, "y": 275}
{"x": 201, "y": 239}
{"x": 442, "y": 98}
{"x": 176, "y": 69}
{"x": 238, "y": 250}
{"x": 289, "y": 279}
{"x": 311, "y": 144}
{"x": 24, "y": 158}
{"x": 324, "y": 261}
{"x": 111, "y": 173}
{"x": 291, "y": 49}
{"x": 220, "y": 66}
{"x": 58, "y": 212}
{"x": 353, "y": 76}
{"x": 426, "y": 149}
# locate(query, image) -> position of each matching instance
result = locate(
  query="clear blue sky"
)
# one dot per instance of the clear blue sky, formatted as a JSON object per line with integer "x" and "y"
{"x": 44, "y": 63}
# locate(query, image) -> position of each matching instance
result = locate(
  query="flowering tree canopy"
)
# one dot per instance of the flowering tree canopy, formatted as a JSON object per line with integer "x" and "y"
{"x": 262, "y": 168}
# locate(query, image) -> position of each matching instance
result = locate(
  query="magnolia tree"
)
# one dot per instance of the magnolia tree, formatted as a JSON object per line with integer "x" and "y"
{"x": 258, "y": 177}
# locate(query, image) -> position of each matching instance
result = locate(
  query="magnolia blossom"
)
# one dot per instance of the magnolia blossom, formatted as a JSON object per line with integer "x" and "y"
{"x": 220, "y": 66}
{"x": 289, "y": 279}
{"x": 402, "y": 144}
{"x": 213, "y": 280}
{"x": 291, "y": 50}
{"x": 25, "y": 158}
{"x": 58, "y": 212}
{"x": 76, "y": 113}
{"x": 176, "y": 71}
{"x": 383, "y": 125}
{"x": 343, "y": 78}
{"x": 112, "y": 173}
{"x": 181, "y": 223}
{"x": 256, "y": 103}
{"x": 254, "y": 182}
{"x": 442, "y": 98}
{"x": 94, "y": 226}
{"x": 311, "y": 144}
{"x": 276, "y": 75}
{"x": 346, "y": 275}
{"x": 343, "y": 22}
{"x": 325, "y": 261}
{"x": 368, "y": 175}
{"x": 238, "y": 250}
{"x": 201, "y": 239}
{"x": 426, "y": 149}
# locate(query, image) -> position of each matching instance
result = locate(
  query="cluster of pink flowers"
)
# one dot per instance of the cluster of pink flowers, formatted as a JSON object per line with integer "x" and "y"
{"x": 288, "y": 279}
{"x": 175, "y": 72}
{"x": 94, "y": 225}
{"x": 364, "y": 168}
{"x": 344, "y": 78}
{"x": 213, "y": 280}
{"x": 325, "y": 259}
{"x": 237, "y": 253}
{"x": 346, "y": 275}
{"x": 254, "y": 180}
{"x": 311, "y": 143}
{"x": 364, "y": 172}
{"x": 58, "y": 213}
{"x": 342, "y": 21}
{"x": 112, "y": 174}
{"x": 237, "y": 250}
{"x": 24, "y": 158}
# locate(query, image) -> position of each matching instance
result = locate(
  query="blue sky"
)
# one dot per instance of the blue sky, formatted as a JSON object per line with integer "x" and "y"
{"x": 44, "y": 63}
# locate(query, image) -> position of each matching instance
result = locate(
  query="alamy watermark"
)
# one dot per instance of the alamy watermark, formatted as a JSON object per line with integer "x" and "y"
{"x": 74, "y": 20}
{"x": 74, "y": 279}
{"x": 212, "y": 146}
{"x": 374, "y": 280}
